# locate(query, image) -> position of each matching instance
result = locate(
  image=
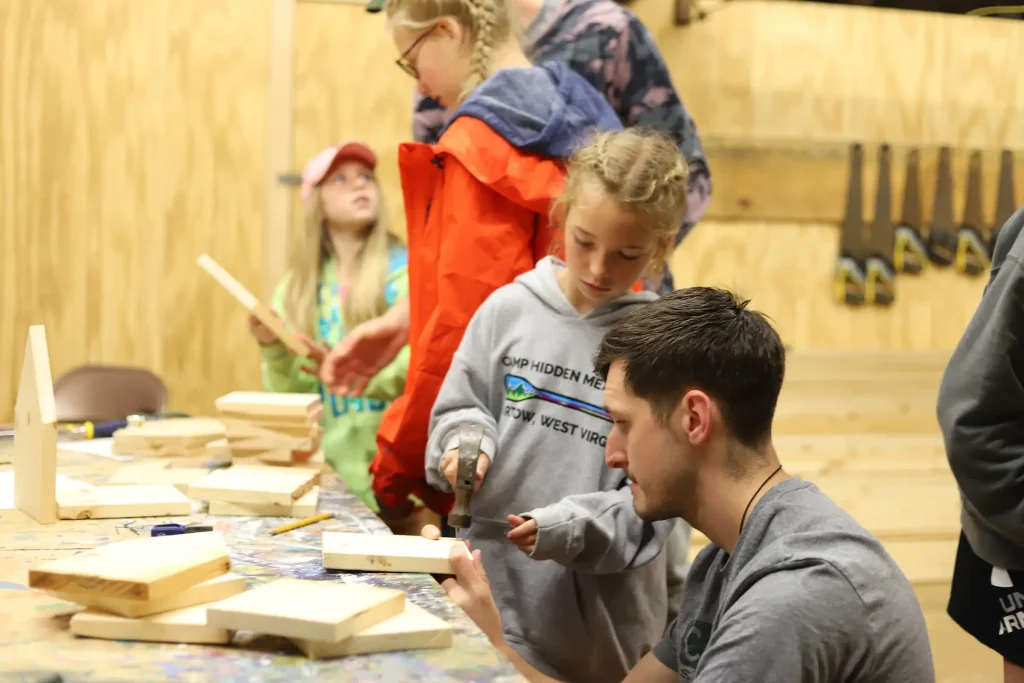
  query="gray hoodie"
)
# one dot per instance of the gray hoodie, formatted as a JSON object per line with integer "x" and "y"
{"x": 981, "y": 409}
{"x": 593, "y": 593}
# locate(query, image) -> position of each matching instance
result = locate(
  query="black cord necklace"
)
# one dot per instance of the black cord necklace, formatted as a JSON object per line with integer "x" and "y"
{"x": 747, "y": 509}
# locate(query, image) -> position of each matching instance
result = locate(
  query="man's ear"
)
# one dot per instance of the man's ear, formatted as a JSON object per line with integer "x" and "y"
{"x": 696, "y": 413}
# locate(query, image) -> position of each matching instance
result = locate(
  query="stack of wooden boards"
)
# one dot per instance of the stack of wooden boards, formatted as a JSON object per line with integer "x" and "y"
{"x": 259, "y": 491}
{"x": 179, "y": 437}
{"x": 179, "y": 589}
{"x": 329, "y": 619}
{"x": 275, "y": 428}
{"x": 154, "y": 589}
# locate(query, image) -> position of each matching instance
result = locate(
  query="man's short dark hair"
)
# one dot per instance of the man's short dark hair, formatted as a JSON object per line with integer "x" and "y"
{"x": 701, "y": 338}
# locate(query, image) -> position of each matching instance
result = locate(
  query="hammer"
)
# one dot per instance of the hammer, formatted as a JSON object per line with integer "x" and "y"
{"x": 470, "y": 437}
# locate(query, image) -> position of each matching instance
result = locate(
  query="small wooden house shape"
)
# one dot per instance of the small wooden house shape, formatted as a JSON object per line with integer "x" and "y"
{"x": 35, "y": 433}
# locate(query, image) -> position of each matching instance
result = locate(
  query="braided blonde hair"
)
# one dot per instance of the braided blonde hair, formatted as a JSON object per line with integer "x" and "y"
{"x": 642, "y": 169}
{"x": 490, "y": 24}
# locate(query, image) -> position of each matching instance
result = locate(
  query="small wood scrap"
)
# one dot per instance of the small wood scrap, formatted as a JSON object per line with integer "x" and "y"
{"x": 211, "y": 590}
{"x": 256, "y": 307}
{"x": 275, "y": 428}
{"x": 322, "y": 611}
{"x": 35, "y": 433}
{"x": 157, "y": 472}
{"x": 122, "y": 501}
{"x": 140, "y": 569}
{"x": 387, "y": 553}
{"x": 188, "y": 625}
{"x": 303, "y": 507}
{"x": 414, "y": 629}
{"x": 186, "y": 437}
{"x": 258, "y": 484}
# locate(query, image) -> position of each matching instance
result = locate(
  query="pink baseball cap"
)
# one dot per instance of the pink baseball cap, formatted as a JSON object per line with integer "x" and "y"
{"x": 324, "y": 162}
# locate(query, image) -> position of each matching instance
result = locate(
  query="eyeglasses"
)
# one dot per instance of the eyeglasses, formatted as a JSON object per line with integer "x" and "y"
{"x": 403, "y": 62}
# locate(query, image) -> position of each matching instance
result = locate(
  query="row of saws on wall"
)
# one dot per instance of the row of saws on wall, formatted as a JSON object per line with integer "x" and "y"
{"x": 872, "y": 255}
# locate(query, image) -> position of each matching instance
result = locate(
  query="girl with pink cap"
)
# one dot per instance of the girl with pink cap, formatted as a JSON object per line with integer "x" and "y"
{"x": 345, "y": 268}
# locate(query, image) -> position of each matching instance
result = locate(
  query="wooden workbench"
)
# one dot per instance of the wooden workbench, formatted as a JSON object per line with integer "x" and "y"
{"x": 34, "y": 637}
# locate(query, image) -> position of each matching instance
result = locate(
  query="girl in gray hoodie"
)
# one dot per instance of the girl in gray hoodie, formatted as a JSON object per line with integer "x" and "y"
{"x": 578, "y": 577}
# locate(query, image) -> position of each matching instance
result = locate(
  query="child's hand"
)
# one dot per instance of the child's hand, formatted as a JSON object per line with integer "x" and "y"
{"x": 450, "y": 467}
{"x": 262, "y": 333}
{"x": 524, "y": 535}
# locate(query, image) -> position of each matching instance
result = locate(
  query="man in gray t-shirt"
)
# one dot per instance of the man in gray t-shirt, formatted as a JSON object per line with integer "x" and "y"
{"x": 791, "y": 588}
{"x": 807, "y": 595}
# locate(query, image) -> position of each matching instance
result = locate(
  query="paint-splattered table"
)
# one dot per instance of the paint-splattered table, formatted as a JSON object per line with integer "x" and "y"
{"x": 34, "y": 637}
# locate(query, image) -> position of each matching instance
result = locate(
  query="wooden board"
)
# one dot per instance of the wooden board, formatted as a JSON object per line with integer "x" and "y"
{"x": 35, "y": 433}
{"x": 413, "y": 629}
{"x": 157, "y": 472}
{"x": 303, "y": 507}
{"x": 260, "y": 484}
{"x": 387, "y": 553}
{"x": 147, "y": 568}
{"x": 122, "y": 501}
{"x": 274, "y": 405}
{"x": 180, "y": 626}
{"x": 276, "y": 422}
{"x": 315, "y": 610}
{"x": 239, "y": 428}
{"x": 253, "y": 305}
{"x": 214, "y": 589}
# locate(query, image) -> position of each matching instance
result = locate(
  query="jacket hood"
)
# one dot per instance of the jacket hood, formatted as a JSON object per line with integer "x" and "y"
{"x": 541, "y": 282}
{"x": 547, "y": 109}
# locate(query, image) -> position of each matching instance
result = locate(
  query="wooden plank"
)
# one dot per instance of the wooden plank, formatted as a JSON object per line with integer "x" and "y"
{"x": 413, "y": 629}
{"x": 260, "y": 484}
{"x": 127, "y": 501}
{"x": 274, "y": 405}
{"x": 303, "y": 507}
{"x": 214, "y": 589}
{"x": 253, "y": 305}
{"x": 138, "y": 569}
{"x": 35, "y": 433}
{"x": 316, "y": 610}
{"x": 180, "y": 626}
{"x": 387, "y": 553}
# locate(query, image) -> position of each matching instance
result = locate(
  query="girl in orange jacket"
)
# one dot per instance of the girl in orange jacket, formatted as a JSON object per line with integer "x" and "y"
{"x": 477, "y": 202}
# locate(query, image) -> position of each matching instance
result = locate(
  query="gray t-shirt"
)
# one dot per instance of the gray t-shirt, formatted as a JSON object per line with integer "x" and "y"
{"x": 808, "y": 596}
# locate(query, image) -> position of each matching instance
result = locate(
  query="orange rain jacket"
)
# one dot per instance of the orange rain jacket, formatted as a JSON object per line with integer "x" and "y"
{"x": 477, "y": 208}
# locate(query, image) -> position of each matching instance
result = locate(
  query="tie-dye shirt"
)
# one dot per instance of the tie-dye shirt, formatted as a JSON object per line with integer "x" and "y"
{"x": 350, "y": 424}
{"x": 609, "y": 46}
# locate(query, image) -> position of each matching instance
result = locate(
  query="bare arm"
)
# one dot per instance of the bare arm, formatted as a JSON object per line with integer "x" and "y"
{"x": 651, "y": 670}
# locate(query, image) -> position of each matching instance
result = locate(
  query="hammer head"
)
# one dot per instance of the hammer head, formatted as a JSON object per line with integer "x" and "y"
{"x": 470, "y": 438}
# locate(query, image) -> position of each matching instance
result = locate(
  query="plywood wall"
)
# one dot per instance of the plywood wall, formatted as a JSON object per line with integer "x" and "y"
{"x": 131, "y": 139}
{"x": 819, "y": 71}
{"x": 347, "y": 85}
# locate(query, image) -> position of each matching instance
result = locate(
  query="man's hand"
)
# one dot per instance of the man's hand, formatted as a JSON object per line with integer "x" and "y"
{"x": 469, "y": 588}
{"x": 471, "y": 591}
{"x": 524, "y": 533}
{"x": 365, "y": 350}
{"x": 450, "y": 467}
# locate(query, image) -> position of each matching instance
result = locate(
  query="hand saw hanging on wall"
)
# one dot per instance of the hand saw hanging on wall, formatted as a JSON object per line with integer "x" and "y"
{"x": 880, "y": 286}
{"x": 942, "y": 232}
{"x": 972, "y": 240}
{"x": 910, "y": 253}
{"x": 849, "y": 282}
